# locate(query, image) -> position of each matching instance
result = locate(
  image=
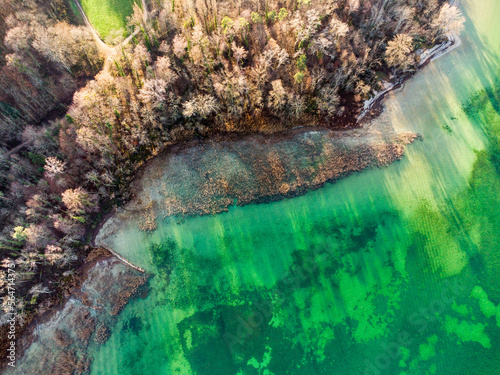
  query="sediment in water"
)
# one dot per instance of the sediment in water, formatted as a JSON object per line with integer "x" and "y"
{"x": 208, "y": 177}
{"x": 59, "y": 345}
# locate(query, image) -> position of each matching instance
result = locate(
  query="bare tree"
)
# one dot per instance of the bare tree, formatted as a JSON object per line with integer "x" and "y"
{"x": 277, "y": 97}
{"x": 450, "y": 20}
{"x": 398, "y": 51}
{"x": 327, "y": 101}
{"x": 53, "y": 166}
{"x": 201, "y": 105}
{"x": 179, "y": 45}
{"x": 78, "y": 200}
{"x": 239, "y": 53}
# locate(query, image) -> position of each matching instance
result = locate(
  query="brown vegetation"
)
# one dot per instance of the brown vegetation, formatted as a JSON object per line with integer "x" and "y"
{"x": 207, "y": 177}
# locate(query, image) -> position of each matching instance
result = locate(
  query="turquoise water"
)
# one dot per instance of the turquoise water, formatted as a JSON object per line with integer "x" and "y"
{"x": 390, "y": 271}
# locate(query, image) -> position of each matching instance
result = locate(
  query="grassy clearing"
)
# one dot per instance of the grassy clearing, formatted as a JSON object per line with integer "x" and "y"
{"x": 108, "y": 15}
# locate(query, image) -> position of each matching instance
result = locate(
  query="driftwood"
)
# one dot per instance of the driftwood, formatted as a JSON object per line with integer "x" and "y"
{"x": 122, "y": 259}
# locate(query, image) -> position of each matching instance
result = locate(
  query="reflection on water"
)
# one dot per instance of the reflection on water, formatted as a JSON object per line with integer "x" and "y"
{"x": 392, "y": 271}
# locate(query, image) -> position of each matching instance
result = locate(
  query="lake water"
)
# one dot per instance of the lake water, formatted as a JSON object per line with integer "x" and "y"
{"x": 389, "y": 271}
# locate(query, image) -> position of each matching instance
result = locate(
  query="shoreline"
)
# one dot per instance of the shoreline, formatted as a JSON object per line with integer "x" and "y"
{"x": 88, "y": 309}
{"x": 267, "y": 169}
{"x": 50, "y": 306}
{"x": 435, "y": 53}
{"x": 371, "y": 111}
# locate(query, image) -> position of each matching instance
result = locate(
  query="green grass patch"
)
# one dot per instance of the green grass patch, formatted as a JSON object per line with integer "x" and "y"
{"x": 108, "y": 15}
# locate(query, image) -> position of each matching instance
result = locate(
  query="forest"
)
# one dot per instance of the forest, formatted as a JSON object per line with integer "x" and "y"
{"x": 78, "y": 116}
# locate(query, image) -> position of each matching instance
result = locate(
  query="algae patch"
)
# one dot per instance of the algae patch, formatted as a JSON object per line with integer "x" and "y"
{"x": 467, "y": 331}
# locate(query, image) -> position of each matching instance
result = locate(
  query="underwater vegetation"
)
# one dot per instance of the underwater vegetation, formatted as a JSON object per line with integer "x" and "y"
{"x": 292, "y": 286}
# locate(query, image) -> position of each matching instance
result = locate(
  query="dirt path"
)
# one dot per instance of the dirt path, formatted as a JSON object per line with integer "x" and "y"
{"x": 103, "y": 47}
{"x": 108, "y": 51}
{"x": 144, "y": 10}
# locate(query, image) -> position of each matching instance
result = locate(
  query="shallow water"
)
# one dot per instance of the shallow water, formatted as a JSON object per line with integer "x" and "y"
{"x": 390, "y": 271}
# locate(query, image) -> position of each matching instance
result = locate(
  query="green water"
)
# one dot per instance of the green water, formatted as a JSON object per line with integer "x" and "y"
{"x": 391, "y": 271}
